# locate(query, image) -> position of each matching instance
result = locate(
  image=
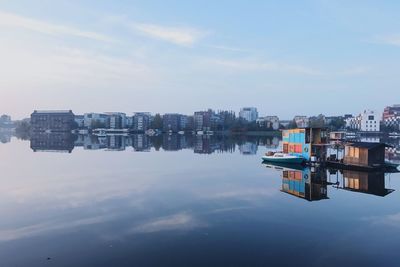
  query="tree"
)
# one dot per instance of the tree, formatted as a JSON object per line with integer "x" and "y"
{"x": 157, "y": 122}
{"x": 22, "y": 130}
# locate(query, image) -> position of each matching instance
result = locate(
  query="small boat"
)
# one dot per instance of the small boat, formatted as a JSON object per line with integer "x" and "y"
{"x": 283, "y": 158}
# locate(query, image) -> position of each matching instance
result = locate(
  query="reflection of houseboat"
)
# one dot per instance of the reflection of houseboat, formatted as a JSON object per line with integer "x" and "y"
{"x": 305, "y": 184}
{"x": 365, "y": 182}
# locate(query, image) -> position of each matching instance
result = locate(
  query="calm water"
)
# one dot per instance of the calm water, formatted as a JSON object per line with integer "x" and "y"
{"x": 194, "y": 202}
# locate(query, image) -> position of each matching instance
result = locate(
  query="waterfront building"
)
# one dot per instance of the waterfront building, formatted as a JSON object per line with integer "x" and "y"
{"x": 202, "y": 120}
{"x": 368, "y": 121}
{"x": 172, "y": 122}
{"x": 248, "y": 114}
{"x": 94, "y": 120}
{"x": 302, "y": 121}
{"x": 271, "y": 122}
{"x": 54, "y": 121}
{"x": 80, "y": 121}
{"x": 305, "y": 142}
{"x": 5, "y": 121}
{"x": 116, "y": 120}
{"x": 391, "y": 117}
{"x": 141, "y": 121}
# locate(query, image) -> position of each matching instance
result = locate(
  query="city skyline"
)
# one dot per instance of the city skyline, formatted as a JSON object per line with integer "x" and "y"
{"x": 128, "y": 56}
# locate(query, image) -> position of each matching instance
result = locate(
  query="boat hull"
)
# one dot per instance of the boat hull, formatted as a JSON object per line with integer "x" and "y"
{"x": 292, "y": 160}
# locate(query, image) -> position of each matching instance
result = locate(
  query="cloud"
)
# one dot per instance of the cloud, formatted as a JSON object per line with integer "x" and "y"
{"x": 13, "y": 20}
{"x": 388, "y": 39}
{"x": 228, "y": 48}
{"x": 184, "y": 36}
{"x": 46, "y": 227}
{"x": 250, "y": 65}
{"x": 168, "y": 223}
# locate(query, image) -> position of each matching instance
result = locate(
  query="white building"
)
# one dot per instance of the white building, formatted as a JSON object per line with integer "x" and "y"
{"x": 249, "y": 114}
{"x": 269, "y": 122}
{"x": 368, "y": 121}
{"x": 302, "y": 121}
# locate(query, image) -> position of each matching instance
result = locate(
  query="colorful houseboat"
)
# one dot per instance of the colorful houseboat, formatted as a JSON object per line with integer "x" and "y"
{"x": 308, "y": 143}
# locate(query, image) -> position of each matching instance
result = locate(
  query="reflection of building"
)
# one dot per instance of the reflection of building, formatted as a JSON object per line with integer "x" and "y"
{"x": 171, "y": 142}
{"x": 55, "y": 121}
{"x": 365, "y": 182}
{"x": 305, "y": 142}
{"x": 249, "y": 114}
{"x": 116, "y": 142}
{"x": 52, "y": 142}
{"x": 141, "y": 142}
{"x": 202, "y": 144}
{"x": 248, "y": 148}
{"x": 305, "y": 184}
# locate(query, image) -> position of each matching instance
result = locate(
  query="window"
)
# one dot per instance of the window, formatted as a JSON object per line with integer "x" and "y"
{"x": 356, "y": 152}
{"x": 371, "y": 117}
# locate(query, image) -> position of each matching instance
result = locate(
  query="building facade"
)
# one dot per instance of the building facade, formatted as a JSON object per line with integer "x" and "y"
{"x": 94, "y": 120}
{"x": 249, "y": 114}
{"x": 141, "y": 121}
{"x": 391, "y": 117}
{"x": 302, "y": 121}
{"x": 116, "y": 120}
{"x": 271, "y": 122}
{"x": 52, "y": 121}
{"x": 368, "y": 121}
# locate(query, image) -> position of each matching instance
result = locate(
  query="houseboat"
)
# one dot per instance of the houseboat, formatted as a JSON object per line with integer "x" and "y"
{"x": 308, "y": 143}
{"x": 363, "y": 156}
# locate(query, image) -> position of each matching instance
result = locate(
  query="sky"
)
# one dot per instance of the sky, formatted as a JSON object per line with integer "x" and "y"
{"x": 284, "y": 57}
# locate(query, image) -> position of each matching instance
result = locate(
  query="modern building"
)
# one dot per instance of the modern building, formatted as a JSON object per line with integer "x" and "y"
{"x": 271, "y": 122}
{"x": 172, "y": 122}
{"x": 116, "y": 120}
{"x": 368, "y": 121}
{"x": 391, "y": 117}
{"x": 141, "y": 121}
{"x": 94, "y": 120}
{"x": 202, "y": 120}
{"x": 302, "y": 121}
{"x": 305, "y": 142}
{"x": 52, "y": 121}
{"x": 249, "y": 114}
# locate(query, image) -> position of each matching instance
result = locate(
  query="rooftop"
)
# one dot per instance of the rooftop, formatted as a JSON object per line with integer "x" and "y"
{"x": 366, "y": 144}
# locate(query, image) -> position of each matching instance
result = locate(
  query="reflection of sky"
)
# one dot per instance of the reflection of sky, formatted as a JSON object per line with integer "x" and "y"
{"x": 178, "y": 204}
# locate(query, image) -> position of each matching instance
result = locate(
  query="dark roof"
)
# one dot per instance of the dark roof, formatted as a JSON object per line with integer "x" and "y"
{"x": 366, "y": 145}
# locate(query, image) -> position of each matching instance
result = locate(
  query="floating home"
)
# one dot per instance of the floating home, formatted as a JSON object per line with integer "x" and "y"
{"x": 362, "y": 154}
{"x": 305, "y": 142}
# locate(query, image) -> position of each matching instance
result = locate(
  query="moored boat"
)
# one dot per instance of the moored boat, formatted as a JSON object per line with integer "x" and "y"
{"x": 283, "y": 158}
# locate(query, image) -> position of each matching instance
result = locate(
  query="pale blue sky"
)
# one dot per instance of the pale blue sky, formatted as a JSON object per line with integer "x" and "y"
{"x": 284, "y": 57}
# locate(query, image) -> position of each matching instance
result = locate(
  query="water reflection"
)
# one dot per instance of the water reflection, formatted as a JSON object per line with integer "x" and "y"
{"x": 311, "y": 183}
{"x": 200, "y": 144}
